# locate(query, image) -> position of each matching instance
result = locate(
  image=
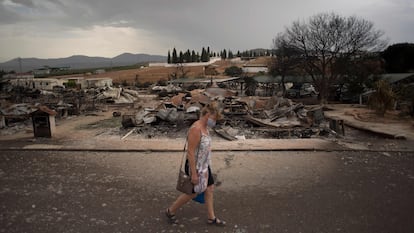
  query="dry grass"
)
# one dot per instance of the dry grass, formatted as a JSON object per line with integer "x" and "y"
{"x": 155, "y": 74}
{"x": 369, "y": 115}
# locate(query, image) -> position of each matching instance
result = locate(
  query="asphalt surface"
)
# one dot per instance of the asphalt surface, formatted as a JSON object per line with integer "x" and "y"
{"x": 258, "y": 191}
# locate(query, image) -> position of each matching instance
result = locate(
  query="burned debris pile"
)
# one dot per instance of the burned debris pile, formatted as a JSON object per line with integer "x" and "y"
{"x": 169, "y": 111}
{"x": 65, "y": 102}
{"x": 244, "y": 117}
{"x": 116, "y": 95}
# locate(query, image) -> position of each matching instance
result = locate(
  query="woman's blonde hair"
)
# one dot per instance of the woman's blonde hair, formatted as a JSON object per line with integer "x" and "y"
{"x": 211, "y": 108}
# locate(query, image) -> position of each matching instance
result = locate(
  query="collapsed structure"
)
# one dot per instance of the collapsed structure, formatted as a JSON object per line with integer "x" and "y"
{"x": 176, "y": 108}
{"x": 244, "y": 117}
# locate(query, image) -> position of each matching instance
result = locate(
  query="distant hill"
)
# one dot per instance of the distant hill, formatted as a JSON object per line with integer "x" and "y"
{"x": 80, "y": 62}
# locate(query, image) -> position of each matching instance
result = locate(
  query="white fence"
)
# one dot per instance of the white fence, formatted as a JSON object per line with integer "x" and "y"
{"x": 212, "y": 60}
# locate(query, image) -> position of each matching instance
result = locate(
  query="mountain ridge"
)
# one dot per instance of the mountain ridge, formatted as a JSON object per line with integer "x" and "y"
{"x": 80, "y": 61}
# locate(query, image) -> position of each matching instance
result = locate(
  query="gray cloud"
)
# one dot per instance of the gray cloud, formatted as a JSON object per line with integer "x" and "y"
{"x": 7, "y": 17}
{"x": 235, "y": 25}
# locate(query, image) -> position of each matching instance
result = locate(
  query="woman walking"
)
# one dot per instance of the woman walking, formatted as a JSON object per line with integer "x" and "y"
{"x": 197, "y": 166}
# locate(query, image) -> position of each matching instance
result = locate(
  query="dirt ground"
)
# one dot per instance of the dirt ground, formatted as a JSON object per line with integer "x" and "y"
{"x": 391, "y": 125}
{"x": 81, "y": 191}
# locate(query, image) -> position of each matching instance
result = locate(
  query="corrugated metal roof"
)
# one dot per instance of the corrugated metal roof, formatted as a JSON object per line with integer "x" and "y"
{"x": 187, "y": 80}
{"x": 397, "y": 77}
{"x": 202, "y": 80}
{"x": 267, "y": 79}
{"x": 278, "y": 79}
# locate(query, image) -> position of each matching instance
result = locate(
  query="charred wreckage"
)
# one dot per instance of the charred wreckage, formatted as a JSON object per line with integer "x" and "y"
{"x": 244, "y": 116}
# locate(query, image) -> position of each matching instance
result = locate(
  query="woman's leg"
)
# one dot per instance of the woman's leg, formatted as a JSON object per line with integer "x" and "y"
{"x": 211, "y": 216}
{"x": 181, "y": 200}
{"x": 209, "y": 198}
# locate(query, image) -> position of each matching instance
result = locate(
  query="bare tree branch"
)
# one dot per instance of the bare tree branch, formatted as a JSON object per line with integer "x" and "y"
{"x": 325, "y": 39}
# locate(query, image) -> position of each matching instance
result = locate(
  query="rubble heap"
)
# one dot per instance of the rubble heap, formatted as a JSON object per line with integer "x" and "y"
{"x": 244, "y": 117}
{"x": 248, "y": 117}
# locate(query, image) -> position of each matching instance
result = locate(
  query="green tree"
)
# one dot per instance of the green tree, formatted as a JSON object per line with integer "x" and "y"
{"x": 223, "y": 54}
{"x": 187, "y": 56}
{"x": 399, "y": 58}
{"x": 204, "y": 56}
{"x": 251, "y": 86}
{"x": 193, "y": 56}
{"x": 169, "y": 57}
{"x": 71, "y": 84}
{"x": 181, "y": 57}
{"x": 233, "y": 71}
{"x": 198, "y": 57}
{"x": 174, "y": 56}
{"x": 360, "y": 73}
{"x": 231, "y": 56}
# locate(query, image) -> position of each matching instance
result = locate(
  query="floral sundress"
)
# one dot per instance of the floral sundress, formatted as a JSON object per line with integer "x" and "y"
{"x": 203, "y": 161}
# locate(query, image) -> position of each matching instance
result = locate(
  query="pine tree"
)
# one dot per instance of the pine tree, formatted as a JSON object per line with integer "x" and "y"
{"x": 230, "y": 54}
{"x": 181, "y": 58}
{"x": 187, "y": 56}
{"x": 193, "y": 56}
{"x": 174, "y": 56}
{"x": 204, "y": 55}
{"x": 224, "y": 55}
{"x": 169, "y": 57}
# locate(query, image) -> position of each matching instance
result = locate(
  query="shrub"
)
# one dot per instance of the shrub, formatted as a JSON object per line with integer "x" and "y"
{"x": 382, "y": 99}
{"x": 233, "y": 71}
{"x": 162, "y": 82}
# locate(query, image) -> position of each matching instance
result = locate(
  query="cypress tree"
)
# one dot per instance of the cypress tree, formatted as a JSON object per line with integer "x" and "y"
{"x": 174, "y": 56}
{"x": 204, "y": 56}
{"x": 230, "y": 54}
{"x": 181, "y": 57}
{"x": 193, "y": 56}
{"x": 224, "y": 57}
{"x": 169, "y": 57}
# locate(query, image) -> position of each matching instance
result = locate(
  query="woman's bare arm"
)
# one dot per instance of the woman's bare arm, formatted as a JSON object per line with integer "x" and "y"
{"x": 194, "y": 135}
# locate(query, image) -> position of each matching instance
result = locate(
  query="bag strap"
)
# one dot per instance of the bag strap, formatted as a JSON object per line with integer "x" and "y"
{"x": 182, "y": 157}
{"x": 185, "y": 145}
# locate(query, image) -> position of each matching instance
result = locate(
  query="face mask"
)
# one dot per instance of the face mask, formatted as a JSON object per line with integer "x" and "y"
{"x": 211, "y": 123}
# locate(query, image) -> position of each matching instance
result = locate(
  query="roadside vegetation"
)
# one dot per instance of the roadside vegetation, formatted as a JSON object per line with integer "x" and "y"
{"x": 382, "y": 99}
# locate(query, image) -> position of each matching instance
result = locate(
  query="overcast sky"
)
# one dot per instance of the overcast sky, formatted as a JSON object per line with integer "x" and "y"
{"x": 61, "y": 28}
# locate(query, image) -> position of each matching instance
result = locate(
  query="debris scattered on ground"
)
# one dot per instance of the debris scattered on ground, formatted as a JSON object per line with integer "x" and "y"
{"x": 275, "y": 117}
{"x": 169, "y": 115}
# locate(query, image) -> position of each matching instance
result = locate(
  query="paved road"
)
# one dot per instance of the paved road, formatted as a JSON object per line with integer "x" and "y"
{"x": 294, "y": 191}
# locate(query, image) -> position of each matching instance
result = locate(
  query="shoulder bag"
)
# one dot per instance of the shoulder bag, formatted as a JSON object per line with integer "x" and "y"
{"x": 184, "y": 184}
